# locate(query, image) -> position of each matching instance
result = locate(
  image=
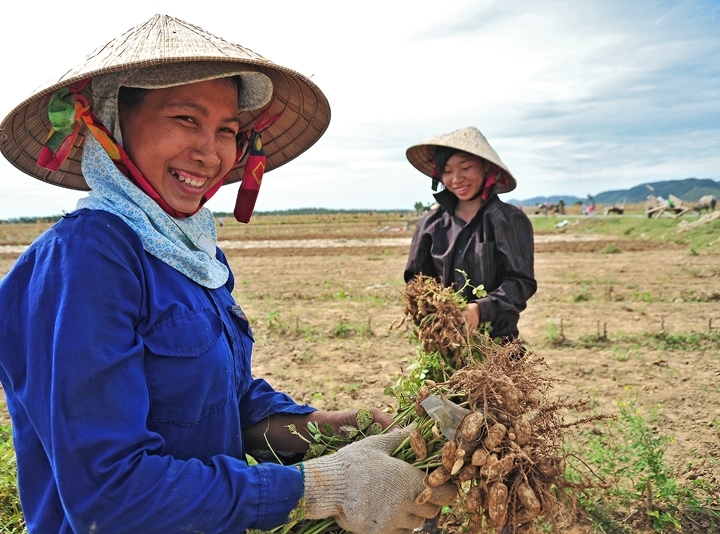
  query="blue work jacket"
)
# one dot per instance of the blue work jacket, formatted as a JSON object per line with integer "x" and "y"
{"x": 129, "y": 386}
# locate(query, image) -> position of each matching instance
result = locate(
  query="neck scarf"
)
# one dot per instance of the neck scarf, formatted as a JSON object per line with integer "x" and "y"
{"x": 185, "y": 244}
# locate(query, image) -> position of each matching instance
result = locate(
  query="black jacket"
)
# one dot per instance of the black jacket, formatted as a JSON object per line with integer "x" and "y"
{"x": 495, "y": 249}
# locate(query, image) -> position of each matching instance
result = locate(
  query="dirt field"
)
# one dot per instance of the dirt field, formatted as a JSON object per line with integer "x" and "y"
{"x": 322, "y": 317}
{"x": 321, "y": 298}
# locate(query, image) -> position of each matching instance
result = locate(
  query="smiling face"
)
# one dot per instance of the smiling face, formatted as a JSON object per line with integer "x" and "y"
{"x": 464, "y": 175}
{"x": 183, "y": 139}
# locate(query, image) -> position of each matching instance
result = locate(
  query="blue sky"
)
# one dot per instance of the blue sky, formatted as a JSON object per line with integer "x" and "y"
{"x": 576, "y": 97}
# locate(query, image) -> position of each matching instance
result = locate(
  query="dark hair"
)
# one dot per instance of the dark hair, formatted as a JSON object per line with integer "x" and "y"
{"x": 440, "y": 158}
{"x": 132, "y": 96}
{"x": 444, "y": 153}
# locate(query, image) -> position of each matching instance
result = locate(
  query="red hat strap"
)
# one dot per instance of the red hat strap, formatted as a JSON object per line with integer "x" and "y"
{"x": 68, "y": 110}
{"x": 254, "y": 168}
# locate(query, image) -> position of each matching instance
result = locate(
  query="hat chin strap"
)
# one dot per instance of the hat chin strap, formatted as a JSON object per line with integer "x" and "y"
{"x": 254, "y": 168}
{"x": 68, "y": 111}
{"x": 495, "y": 178}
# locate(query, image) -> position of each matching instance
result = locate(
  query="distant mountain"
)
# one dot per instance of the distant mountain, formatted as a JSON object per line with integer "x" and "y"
{"x": 689, "y": 189}
{"x": 569, "y": 200}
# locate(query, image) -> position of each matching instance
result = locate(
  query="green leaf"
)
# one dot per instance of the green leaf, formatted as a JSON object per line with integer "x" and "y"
{"x": 314, "y": 451}
{"x": 364, "y": 418}
{"x": 349, "y": 431}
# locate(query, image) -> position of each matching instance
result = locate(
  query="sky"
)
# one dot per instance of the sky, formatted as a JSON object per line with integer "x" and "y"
{"x": 577, "y": 98}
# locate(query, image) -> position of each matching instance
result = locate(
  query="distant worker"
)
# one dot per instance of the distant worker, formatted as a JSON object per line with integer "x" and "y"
{"x": 473, "y": 230}
{"x": 561, "y": 207}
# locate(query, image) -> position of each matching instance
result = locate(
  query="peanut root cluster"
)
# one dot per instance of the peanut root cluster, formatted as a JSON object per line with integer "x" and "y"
{"x": 506, "y": 455}
{"x": 436, "y": 313}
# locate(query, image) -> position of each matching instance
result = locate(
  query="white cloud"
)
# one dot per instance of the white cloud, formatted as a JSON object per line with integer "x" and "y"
{"x": 576, "y": 97}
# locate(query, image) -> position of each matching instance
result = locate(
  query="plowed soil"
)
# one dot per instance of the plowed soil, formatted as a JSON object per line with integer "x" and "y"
{"x": 321, "y": 299}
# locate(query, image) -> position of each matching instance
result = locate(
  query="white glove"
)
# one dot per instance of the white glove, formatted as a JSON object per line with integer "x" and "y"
{"x": 368, "y": 491}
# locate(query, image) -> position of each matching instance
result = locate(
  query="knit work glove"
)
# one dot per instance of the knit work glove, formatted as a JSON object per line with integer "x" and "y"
{"x": 367, "y": 491}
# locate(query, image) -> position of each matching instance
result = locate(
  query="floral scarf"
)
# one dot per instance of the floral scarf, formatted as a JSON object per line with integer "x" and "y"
{"x": 185, "y": 244}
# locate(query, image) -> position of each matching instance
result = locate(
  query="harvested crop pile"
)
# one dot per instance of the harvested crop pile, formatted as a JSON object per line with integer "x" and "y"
{"x": 506, "y": 454}
{"x": 492, "y": 430}
{"x": 436, "y": 313}
{"x": 483, "y": 417}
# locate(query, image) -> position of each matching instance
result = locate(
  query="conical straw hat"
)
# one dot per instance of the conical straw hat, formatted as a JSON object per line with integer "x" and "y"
{"x": 163, "y": 40}
{"x": 468, "y": 140}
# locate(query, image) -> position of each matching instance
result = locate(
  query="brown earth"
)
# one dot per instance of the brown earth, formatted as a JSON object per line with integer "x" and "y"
{"x": 321, "y": 316}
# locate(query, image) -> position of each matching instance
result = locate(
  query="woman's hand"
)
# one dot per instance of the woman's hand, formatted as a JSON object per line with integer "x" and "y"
{"x": 471, "y": 314}
{"x": 338, "y": 419}
{"x": 369, "y": 492}
{"x": 274, "y": 431}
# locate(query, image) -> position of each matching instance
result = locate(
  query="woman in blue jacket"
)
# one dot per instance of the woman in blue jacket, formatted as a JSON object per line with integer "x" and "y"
{"x": 125, "y": 360}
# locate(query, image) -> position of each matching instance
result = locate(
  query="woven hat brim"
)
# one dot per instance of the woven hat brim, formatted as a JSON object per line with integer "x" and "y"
{"x": 468, "y": 140}
{"x": 304, "y": 109}
{"x": 257, "y": 89}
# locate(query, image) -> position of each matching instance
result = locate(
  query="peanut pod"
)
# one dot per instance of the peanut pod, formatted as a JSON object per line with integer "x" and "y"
{"x": 468, "y": 472}
{"x": 522, "y": 430}
{"x": 418, "y": 445}
{"x": 438, "y": 477}
{"x": 497, "y": 504}
{"x": 471, "y": 426}
{"x": 449, "y": 454}
{"x": 457, "y": 466}
{"x": 479, "y": 457}
{"x": 496, "y": 433}
{"x": 550, "y": 467}
{"x": 527, "y": 498}
{"x": 473, "y": 499}
{"x": 499, "y": 468}
{"x": 424, "y": 496}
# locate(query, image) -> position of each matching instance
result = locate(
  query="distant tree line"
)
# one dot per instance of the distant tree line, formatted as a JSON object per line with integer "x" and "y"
{"x": 689, "y": 189}
{"x": 31, "y": 220}
{"x": 302, "y": 211}
{"x": 311, "y": 211}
